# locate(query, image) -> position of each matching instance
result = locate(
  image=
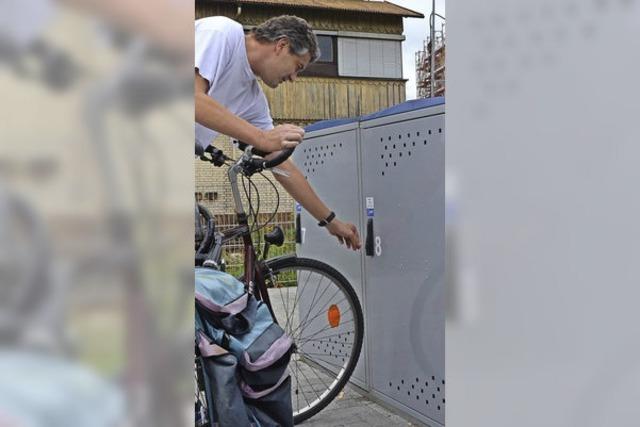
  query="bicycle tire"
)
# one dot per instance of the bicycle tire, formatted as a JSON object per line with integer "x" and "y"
{"x": 324, "y": 364}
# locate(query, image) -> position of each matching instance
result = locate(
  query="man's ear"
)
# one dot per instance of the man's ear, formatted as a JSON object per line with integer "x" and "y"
{"x": 282, "y": 45}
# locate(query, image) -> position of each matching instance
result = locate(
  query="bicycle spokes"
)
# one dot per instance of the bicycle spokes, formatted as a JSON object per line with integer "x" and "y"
{"x": 319, "y": 314}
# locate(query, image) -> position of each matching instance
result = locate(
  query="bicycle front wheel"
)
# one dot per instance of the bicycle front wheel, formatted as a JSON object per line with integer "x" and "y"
{"x": 320, "y": 311}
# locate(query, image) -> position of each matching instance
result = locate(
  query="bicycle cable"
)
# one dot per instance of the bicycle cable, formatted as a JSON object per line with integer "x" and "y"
{"x": 252, "y": 211}
{"x": 275, "y": 212}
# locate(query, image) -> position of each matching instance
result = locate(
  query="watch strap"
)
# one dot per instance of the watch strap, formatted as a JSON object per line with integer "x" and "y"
{"x": 327, "y": 220}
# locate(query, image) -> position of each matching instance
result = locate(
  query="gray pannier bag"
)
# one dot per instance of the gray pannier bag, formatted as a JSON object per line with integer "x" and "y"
{"x": 244, "y": 354}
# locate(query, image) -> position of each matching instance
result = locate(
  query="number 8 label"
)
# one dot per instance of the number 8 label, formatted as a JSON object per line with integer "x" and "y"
{"x": 378, "y": 245}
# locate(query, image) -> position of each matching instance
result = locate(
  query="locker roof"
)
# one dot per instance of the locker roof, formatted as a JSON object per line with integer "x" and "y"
{"x": 415, "y": 104}
{"x": 326, "y": 124}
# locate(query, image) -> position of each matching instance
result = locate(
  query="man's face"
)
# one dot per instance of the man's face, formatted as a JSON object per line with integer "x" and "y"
{"x": 282, "y": 65}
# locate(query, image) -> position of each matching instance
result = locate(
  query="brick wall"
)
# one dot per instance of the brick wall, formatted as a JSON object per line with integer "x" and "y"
{"x": 213, "y": 190}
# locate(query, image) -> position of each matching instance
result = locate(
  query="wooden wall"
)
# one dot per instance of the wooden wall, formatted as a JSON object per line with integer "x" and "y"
{"x": 310, "y": 99}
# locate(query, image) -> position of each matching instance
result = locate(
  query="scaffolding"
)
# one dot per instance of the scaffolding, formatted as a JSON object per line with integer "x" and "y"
{"x": 431, "y": 60}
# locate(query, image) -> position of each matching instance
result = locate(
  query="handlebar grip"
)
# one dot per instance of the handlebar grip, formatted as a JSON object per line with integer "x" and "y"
{"x": 284, "y": 155}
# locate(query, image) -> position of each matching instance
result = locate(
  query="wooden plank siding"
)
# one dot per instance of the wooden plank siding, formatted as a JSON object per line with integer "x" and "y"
{"x": 310, "y": 99}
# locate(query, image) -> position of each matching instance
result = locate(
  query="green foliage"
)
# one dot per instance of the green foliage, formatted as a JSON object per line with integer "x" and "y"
{"x": 233, "y": 255}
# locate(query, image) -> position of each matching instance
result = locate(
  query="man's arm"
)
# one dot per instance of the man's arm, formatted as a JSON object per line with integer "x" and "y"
{"x": 214, "y": 115}
{"x": 300, "y": 190}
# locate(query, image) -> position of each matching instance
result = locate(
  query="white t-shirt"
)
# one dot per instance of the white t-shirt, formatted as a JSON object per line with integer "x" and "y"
{"x": 221, "y": 58}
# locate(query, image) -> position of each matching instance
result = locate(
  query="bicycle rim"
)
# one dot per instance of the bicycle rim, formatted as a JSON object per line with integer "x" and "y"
{"x": 319, "y": 310}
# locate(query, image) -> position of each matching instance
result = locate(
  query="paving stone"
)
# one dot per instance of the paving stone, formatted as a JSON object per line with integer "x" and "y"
{"x": 356, "y": 410}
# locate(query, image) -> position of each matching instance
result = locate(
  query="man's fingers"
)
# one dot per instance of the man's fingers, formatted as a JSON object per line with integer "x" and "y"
{"x": 347, "y": 234}
{"x": 293, "y": 136}
{"x": 355, "y": 239}
{"x": 289, "y": 144}
{"x": 292, "y": 129}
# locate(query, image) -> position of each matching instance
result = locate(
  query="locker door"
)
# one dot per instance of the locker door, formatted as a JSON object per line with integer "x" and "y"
{"x": 403, "y": 191}
{"x": 329, "y": 160}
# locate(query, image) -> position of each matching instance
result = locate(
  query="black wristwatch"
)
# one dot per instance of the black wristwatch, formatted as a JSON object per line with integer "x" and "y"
{"x": 327, "y": 220}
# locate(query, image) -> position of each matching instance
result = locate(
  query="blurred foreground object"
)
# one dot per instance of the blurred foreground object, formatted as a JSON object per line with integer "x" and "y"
{"x": 95, "y": 225}
{"x": 40, "y": 390}
{"x": 546, "y": 159}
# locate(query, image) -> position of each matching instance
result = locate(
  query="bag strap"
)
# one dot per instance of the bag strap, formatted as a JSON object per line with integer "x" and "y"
{"x": 233, "y": 307}
{"x": 233, "y": 324}
{"x": 207, "y": 347}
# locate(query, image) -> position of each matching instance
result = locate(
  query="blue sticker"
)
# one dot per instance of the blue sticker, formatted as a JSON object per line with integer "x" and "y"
{"x": 369, "y": 202}
{"x": 298, "y": 207}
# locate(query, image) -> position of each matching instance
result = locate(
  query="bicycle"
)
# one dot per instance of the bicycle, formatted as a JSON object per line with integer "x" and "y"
{"x": 325, "y": 323}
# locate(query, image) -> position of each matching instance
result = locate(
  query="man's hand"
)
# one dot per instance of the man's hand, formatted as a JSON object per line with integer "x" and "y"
{"x": 280, "y": 137}
{"x": 346, "y": 233}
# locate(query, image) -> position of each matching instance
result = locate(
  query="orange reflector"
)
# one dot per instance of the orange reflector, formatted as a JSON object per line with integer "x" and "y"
{"x": 334, "y": 316}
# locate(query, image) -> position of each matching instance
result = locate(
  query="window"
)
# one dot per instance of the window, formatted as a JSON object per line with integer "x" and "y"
{"x": 359, "y": 57}
{"x": 327, "y": 64}
{"x": 325, "y": 43}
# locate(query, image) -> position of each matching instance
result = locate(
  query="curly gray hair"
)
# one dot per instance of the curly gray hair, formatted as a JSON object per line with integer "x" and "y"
{"x": 301, "y": 38}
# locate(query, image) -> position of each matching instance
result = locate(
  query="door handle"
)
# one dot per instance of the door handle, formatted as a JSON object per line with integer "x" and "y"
{"x": 368, "y": 246}
{"x": 298, "y": 229}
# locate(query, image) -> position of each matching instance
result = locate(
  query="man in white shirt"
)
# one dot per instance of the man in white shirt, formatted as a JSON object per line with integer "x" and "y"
{"x": 229, "y": 100}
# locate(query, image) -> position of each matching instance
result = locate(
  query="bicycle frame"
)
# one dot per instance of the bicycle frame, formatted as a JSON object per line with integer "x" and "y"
{"x": 253, "y": 278}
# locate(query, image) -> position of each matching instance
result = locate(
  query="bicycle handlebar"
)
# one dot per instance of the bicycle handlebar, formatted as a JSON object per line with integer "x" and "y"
{"x": 266, "y": 164}
{"x": 281, "y": 157}
{"x": 248, "y": 164}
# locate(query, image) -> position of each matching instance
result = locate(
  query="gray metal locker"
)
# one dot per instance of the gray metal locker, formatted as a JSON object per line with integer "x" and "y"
{"x": 403, "y": 192}
{"x": 387, "y": 170}
{"x": 329, "y": 160}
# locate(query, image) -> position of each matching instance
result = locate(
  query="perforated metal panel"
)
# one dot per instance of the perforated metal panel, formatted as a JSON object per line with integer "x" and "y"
{"x": 403, "y": 180}
{"x": 328, "y": 158}
{"x": 389, "y": 170}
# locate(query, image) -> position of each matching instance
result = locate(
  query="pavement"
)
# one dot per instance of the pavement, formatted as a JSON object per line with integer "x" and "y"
{"x": 353, "y": 409}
